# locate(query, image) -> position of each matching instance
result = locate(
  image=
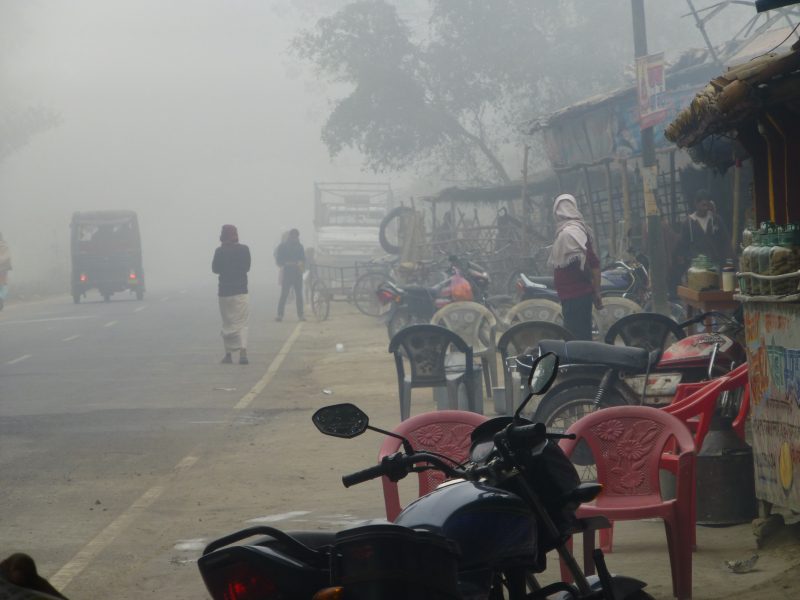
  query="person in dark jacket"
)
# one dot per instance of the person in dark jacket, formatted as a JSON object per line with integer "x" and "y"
{"x": 291, "y": 257}
{"x": 576, "y": 268}
{"x": 704, "y": 233}
{"x": 232, "y": 262}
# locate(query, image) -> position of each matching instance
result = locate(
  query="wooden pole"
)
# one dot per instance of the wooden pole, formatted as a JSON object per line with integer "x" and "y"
{"x": 612, "y": 228}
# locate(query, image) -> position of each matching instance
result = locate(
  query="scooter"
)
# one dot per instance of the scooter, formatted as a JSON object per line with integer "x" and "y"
{"x": 597, "y": 375}
{"x": 413, "y": 304}
{"x": 482, "y": 535}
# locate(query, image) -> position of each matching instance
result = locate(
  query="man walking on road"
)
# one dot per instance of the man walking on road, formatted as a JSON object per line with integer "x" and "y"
{"x": 232, "y": 262}
{"x": 291, "y": 258}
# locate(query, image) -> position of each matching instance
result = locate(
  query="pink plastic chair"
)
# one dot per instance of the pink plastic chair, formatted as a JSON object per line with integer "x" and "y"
{"x": 627, "y": 443}
{"x": 444, "y": 431}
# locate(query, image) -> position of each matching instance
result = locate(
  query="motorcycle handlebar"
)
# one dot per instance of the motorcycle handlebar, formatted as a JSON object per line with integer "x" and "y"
{"x": 362, "y": 476}
{"x": 703, "y": 316}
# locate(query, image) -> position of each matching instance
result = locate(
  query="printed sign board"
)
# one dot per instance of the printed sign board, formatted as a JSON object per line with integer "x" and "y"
{"x": 651, "y": 84}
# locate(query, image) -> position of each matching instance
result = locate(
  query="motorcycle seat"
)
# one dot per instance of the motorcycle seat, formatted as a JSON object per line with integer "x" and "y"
{"x": 545, "y": 280}
{"x": 625, "y": 358}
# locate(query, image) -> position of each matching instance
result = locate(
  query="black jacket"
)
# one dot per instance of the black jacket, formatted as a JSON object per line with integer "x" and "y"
{"x": 289, "y": 253}
{"x": 231, "y": 262}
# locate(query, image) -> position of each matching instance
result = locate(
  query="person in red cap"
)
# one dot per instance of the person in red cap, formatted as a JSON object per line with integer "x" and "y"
{"x": 232, "y": 262}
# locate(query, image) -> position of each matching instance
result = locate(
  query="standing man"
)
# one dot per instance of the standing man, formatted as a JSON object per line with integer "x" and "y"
{"x": 291, "y": 258}
{"x": 232, "y": 262}
{"x": 576, "y": 268}
{"x": 704, "y": 233}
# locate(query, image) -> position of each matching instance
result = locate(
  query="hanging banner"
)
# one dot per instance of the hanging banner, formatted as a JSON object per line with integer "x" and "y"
{"x": 651, "y": 84}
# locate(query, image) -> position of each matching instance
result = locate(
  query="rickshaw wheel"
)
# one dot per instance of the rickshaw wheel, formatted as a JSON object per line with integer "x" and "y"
{"x": 320, "y": 300}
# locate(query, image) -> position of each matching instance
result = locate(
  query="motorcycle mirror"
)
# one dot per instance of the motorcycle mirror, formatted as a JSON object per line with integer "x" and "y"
{"x": 341, "y": 420}
{"x": 543, "y": 373}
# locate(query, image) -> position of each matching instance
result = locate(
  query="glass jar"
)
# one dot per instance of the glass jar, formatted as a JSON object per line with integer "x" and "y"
{"x": 746, "y": 262}
{"x": 785, "y": 258}
{"x": 702, "y": 275}
{"x": 763, "y": 287}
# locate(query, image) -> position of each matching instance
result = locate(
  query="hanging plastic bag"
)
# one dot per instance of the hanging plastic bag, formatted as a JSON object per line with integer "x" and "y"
{"x": 460, "y": 289}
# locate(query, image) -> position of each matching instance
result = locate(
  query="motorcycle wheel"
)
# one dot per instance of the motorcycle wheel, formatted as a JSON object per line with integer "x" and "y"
{"x": 562, "y": 409}
{"x": 401, "y": 319}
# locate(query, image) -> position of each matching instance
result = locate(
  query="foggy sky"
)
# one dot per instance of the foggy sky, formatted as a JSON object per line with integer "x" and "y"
{"x": 187, "y": 111}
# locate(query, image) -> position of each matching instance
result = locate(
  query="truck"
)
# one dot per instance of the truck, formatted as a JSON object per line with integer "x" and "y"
{"x": 347, "y": 220}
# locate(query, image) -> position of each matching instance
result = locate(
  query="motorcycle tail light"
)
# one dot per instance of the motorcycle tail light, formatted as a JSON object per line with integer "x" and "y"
{"x": 385, "y": 296}
{"x": 132, "y": 275}
{"x": 332, "y": 593}
{"x": 240, "y": 581}
{"x": 83, "y": 277}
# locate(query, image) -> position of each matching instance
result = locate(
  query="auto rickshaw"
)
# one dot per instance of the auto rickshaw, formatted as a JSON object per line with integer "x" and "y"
{"x": 106, "y": 254}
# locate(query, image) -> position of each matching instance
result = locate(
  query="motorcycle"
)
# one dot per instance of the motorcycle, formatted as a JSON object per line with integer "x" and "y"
{"x": 484, "y": 534}
{"x": 414, "y": 304}
{"x": 598, "y": 375}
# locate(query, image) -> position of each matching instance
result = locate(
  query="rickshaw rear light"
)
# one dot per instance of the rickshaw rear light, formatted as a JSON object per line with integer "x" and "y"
{"x": 83, "y": 277}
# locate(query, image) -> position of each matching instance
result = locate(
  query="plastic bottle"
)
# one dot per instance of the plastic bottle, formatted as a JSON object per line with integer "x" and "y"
{"x": 728, "y": 276}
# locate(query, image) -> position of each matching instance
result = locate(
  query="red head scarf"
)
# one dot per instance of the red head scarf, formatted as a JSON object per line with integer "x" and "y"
{"x": 229, "y": 234}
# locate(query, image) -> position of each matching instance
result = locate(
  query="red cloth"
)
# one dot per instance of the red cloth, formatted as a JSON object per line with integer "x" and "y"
{"x": 571, "y": 282}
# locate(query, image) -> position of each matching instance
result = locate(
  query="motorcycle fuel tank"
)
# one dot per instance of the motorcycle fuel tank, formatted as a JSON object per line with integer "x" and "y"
{"x": 489, "y": 525}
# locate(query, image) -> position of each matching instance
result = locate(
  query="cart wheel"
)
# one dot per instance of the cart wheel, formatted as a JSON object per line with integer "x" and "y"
{"x": 320, "y": 300}
{"x": 364, "y": 293}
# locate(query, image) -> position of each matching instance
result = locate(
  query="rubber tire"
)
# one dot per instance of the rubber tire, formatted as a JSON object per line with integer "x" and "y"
{"x": 390, "y": 216}
{"x": 511, "y": 282}
{"x": 320, "y": 301}
{"x": 401, "y": 319}
{"x": 364, "y": 296}
{"x": 538, "y": 309}
{"x": 574, "y": 396}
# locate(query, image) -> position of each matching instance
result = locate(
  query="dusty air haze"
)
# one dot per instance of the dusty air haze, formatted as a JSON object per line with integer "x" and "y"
{"x": 190, "y": 113}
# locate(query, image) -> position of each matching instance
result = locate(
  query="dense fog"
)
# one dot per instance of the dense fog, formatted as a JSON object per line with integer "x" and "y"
{"x": 193, "y": 113}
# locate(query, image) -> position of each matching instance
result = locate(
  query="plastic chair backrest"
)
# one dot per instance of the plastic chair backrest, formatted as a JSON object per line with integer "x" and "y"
{"x": 650, "y": 331}
{"x": 701, "y": 401}
{"x": 517, "y": 338}
{"x": 473, "y": 322}
{"x": 444, "y": 431}
{"x": 426, "y": 346}
{"x": 627, "y": 443}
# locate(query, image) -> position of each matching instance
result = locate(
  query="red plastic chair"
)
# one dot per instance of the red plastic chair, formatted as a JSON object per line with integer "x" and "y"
{"x": 695, "y": 403}
{"x": 444, "y": 431}
{"x": 627, "y": 443}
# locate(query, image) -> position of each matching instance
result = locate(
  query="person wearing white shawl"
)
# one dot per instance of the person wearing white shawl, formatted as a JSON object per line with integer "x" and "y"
{"x": 576, "y": 268}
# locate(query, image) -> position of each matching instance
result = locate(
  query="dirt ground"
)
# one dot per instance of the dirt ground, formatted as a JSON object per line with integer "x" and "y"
{"x": 270, "y": 465}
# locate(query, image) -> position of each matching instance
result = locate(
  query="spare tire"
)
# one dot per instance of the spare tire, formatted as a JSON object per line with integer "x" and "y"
{"x": 396, "y": 212}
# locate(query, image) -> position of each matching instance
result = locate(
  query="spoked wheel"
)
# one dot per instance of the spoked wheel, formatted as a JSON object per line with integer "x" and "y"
{"x": 320, "y": 300}
{"x": 364, "y": 293}
{"x": 561, "y": 410}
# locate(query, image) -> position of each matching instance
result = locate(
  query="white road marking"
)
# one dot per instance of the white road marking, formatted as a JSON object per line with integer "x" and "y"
{"x": 19, "y": 359}
{"x": 280, "y": 517}
{"x": 140, "y": 309}
{"x": 49, "y": 319}
{"x": 84, "y": 556}
{"x": 183, "y": 291}
{"x": 273, "y": 368}
{"x": 110, "y": 323}
{"x": 71, "y": 338}
{"x": 165, "y": 298}
{"x": 103, "y": 539}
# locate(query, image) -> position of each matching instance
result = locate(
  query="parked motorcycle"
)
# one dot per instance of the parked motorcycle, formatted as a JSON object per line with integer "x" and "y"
{"x": 597, "y": 375}
{"x": 414, "y": 304}
{"x": 482, "y": 535}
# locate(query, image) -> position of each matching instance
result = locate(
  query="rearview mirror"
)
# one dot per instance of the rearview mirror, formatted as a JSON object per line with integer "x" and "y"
{"x": 341, "y": 420}
{"x": 543, "y": 373}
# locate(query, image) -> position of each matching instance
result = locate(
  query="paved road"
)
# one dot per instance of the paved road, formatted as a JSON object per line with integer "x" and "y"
{"x": 99, "y": 400}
